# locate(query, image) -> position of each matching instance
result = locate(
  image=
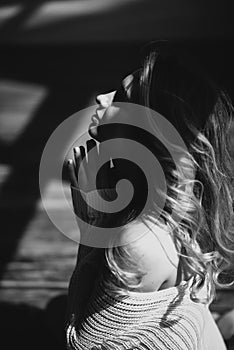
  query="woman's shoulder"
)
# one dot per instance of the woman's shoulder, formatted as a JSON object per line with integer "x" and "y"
{"x": 152, "y": 250}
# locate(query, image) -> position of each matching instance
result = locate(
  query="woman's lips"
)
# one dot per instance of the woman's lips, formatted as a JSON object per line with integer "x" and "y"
{"x": 95, "y": 122}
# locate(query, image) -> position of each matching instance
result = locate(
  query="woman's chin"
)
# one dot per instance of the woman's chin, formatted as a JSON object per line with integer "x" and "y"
{"x": 92, "y": 130}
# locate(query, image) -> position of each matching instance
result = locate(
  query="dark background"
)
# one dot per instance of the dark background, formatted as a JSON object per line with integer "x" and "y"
{"x": 55, "y": 56}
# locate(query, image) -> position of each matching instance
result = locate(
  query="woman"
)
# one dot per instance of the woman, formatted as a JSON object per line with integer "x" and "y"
{"x": 152, "y": 290}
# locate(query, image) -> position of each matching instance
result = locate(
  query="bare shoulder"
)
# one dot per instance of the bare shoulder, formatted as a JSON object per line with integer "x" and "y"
{"x": 153, "y": 251}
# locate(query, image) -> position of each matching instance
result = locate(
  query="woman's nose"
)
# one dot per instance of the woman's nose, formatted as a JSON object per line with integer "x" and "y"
{"x": 105, "y": 100}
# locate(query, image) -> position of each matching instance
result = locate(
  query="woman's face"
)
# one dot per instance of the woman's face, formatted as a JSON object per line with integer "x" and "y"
{"x": 106, "y": 112}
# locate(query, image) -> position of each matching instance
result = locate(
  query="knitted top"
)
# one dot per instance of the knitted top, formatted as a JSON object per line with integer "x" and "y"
{"x": 162, "y": 320}
{"x": 165, "y": 319}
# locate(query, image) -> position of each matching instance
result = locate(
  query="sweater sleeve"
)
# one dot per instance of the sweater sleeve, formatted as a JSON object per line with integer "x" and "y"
{"x": 89, "y": 259}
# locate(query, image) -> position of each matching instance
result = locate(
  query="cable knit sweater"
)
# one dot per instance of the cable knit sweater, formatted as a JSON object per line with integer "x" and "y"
{"x": 162, "y": 320}
{"x": 165, "y": 319}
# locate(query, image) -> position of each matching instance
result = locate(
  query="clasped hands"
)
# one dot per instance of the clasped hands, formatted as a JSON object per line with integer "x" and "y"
{"x": 83, "y": 171}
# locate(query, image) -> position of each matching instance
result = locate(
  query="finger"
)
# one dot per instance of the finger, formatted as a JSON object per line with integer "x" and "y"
{"x": 80, "y": 169}
{"x": 83, "y": 165}
{"x": 78, "y": 160}
{"x": 82, "y": 153}
{"x": 71, "y": 173}
{"x": 92, "y": 153}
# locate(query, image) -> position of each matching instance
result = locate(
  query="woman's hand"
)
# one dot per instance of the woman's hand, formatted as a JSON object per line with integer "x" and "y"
{"x": 86, "y": 180}
{"x": 83, "y": 170}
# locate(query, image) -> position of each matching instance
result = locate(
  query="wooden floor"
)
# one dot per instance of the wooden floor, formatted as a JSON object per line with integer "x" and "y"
{"x": 41, "y": 88}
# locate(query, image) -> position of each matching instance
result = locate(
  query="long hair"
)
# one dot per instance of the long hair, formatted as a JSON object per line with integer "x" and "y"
{"x": 202, "y": 224}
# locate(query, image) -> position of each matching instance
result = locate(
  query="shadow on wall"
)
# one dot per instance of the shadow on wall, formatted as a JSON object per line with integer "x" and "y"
{"x": 81, "y": 21}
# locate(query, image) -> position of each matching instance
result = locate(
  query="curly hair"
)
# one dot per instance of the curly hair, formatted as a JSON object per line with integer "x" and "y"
{"x": 198, "y": 203}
